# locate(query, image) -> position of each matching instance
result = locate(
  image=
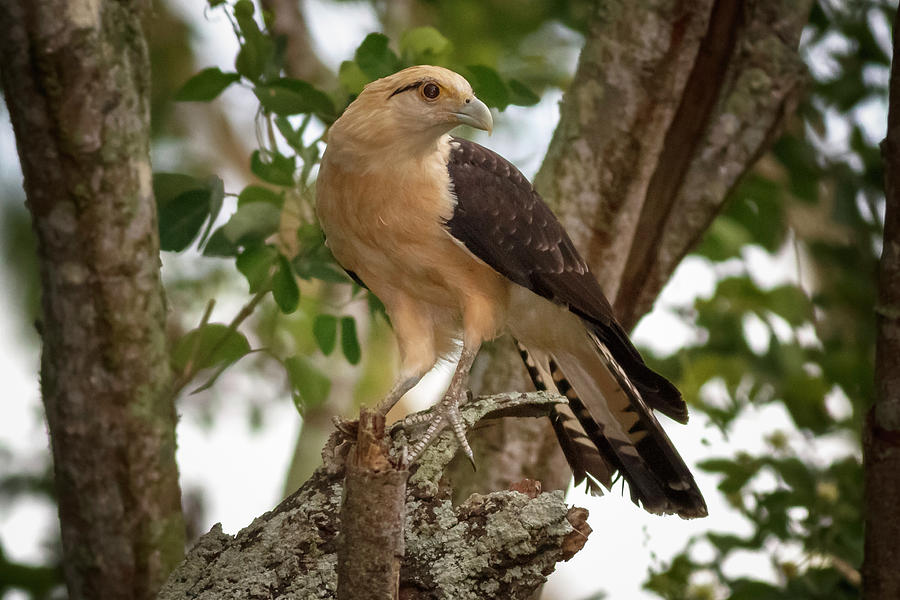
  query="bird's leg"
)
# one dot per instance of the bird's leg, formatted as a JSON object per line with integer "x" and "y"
{"x": 403, "y": 385}
{"x": 447, "y": 410}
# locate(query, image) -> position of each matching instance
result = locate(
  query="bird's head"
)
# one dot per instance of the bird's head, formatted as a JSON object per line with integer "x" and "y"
{"x": 417, "y": 105}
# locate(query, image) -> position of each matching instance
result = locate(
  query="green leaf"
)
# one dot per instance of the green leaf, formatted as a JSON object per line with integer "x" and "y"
{"x": 284, "y": 287}
{"x": 325, "y": 332}
{"x": 292, "y": 137}
{"x": 253, "y": 222}
{"x": 352, "y": 78}
{"x": 255, "y": 263}
{"x": 218, "y": 244}
{"x": 310, "y": 385}
{"x": 488, "y": 86}
{"x": 422, "y": 45}
{"x": 277, "y": 169}
{"x": 375, "y": 58}
{"x": 349, "y": 341}
{"x": 209, "y": 345}
{"x": 293, "y": 96}
{"x": 168, "y": 186}
{"x": 520, "y": 94}
{"x": 257, "y": 56}
{"x": 243, "y": 9}
{"x": 790, "y": 303}
{"x": 205, "y": 85}
{"x": 181, "y": 218}
{"x": 216, "y": 188}
{"x": 258, "y": 193}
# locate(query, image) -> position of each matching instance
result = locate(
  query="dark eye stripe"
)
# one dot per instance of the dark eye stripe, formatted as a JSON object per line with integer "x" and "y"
{"x": 412, "y": 86}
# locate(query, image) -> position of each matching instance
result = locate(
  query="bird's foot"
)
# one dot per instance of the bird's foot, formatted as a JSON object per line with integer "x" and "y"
{"x": 445, "y": 414}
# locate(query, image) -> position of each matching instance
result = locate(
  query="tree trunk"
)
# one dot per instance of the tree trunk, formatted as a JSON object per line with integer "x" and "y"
{"x": 670, "y": 104}
{"x": 75, "y": 75}
{"x": 881, "y": 435}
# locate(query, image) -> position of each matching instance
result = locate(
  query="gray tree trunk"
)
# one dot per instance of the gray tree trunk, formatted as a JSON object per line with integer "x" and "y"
{"x": 881, "y": 433}
{"x": 75, "y": 76}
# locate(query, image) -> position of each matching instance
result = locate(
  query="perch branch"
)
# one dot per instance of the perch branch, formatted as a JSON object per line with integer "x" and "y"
{"x": 504, "y": 541}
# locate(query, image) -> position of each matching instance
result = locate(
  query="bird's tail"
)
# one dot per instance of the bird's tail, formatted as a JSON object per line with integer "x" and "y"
{"x": 608, "y": 425}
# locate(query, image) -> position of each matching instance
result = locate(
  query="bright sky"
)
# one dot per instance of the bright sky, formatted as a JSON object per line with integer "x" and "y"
{"x": 241, "y": 472}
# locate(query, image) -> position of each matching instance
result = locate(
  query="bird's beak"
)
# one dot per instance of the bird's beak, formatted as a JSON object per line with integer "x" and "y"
{"x": 475, "y": 113}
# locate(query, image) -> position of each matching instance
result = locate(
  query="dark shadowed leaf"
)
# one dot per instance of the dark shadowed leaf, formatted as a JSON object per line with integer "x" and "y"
{"x": 254, "y": 221}
{"x": 284, "y": 287}
{"x": 276, "y": 168}
{"x": 206, "y": 85}
{"x": 255, "y": 263}
{"x": 521, "y": 94}
{"x": 293, "y": 96}
{"x": 488, "y": 86}
{"x": 218, "y": 244}
{"x": 181, "y": 218}
{"x": 325, "y": 332}
{"x": 349, "y": 341}
{"x": 375, "y": 58}
{"x": 258, "y": 193}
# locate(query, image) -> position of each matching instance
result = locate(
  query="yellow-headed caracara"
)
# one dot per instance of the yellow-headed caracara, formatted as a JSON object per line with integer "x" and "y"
{"x": 459, "y": 247}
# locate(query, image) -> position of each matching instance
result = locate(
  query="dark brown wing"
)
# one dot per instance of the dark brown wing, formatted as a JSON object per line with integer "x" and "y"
{"x": 503, "y": 221}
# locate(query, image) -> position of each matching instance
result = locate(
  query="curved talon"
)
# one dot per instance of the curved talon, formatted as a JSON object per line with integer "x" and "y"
{"x": 446, "y": 413}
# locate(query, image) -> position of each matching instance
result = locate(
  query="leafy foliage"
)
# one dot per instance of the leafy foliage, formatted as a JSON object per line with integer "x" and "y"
{"x": 824, "y": 205}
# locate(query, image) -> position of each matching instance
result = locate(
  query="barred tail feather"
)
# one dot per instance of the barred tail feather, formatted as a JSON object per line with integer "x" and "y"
{"x": 623, "y": 434}
{"x": 580, "y": 452}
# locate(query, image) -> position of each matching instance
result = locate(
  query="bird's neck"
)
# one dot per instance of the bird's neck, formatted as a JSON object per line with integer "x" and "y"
{"x": 369, "y": 151}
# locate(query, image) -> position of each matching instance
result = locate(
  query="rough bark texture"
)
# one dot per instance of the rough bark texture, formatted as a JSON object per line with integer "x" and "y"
{"x": 499, "y": 545}
{"x": 373, "y": 516}
{"x": 670, "y": 104}
{"x": 75, "y": 76}
{"x": 881, "y": 435}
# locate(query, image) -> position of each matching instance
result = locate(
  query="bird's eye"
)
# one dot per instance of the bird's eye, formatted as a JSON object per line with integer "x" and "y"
{"x": 431, "y": 91}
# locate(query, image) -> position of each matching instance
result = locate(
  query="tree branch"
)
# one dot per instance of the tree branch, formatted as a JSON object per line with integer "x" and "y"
{"x": 504, "y": 541}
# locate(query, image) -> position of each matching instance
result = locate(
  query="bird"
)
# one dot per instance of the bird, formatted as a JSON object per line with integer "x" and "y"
{"x": 460, "y": 248}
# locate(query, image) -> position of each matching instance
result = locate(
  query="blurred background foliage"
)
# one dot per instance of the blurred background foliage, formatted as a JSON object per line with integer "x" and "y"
{"x": 237, "y": 225}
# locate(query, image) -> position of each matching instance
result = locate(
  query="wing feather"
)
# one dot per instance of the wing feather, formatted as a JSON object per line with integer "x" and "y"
{"x": 502, "y": 220}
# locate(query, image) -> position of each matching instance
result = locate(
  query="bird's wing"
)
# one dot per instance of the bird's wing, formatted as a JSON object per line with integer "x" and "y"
{"x": 502, "y": 221}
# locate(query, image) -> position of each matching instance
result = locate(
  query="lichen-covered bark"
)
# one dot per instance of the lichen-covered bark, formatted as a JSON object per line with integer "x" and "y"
{"x": 881, "y": 435}
{"x": 75, "y": 76}
{"x": 670, "y": 104}
{"x": 501, "y": 545}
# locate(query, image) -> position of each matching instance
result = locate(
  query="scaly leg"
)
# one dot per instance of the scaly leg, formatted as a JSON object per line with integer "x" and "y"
{"x": 403, "y": 385}
{"x": 447, "y": 410}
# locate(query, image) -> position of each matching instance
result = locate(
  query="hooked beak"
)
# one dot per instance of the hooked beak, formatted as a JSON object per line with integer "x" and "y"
{"x": 475, "y": 113}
